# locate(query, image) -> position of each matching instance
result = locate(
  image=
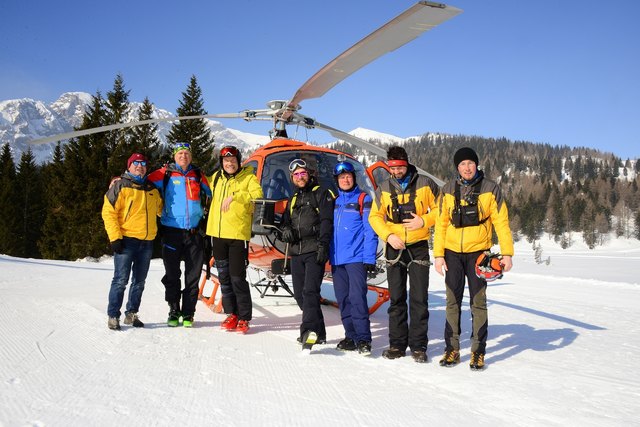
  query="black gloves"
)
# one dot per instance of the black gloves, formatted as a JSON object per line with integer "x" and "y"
{"x": 289, "y": 235}
{"x": 323, "y": 254}
{"x": 117, "y": 246}
{"x": 372, "y": 270}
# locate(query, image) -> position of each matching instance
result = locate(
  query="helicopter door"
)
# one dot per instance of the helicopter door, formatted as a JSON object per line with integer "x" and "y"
{"x": 378, "y": 172}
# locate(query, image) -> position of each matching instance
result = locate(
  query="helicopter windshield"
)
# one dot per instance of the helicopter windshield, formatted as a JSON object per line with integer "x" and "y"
{"x": 277, "y": 185}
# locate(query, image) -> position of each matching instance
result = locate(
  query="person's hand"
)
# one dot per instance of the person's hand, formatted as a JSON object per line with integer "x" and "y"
{"x": 323, "y": 254}
{"x": 114, "y": 180}
{"x": 226, "y": 203}
{"x": 288, "y": 235}
{"x": 441, "y": 266}
{"x": 371, "y": 269}
{"x": 117, "y": 246}
{"x": 414, "y": 223}
{"x": 506, "y": 262}
{"x": 395, "y": 242}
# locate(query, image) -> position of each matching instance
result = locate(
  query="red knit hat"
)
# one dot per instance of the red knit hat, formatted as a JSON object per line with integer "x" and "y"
{"x": 134, "y": 157}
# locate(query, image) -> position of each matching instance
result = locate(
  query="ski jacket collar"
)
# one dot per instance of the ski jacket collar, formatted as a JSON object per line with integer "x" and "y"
{"x": 476, "y": 179}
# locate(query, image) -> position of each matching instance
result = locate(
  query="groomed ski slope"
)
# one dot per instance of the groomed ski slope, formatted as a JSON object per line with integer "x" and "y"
{"x": 563, "y": 348}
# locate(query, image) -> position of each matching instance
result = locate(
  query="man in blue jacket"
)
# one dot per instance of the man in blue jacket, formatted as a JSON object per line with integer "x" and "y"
{"x": 183, "y": 186}
{"x": 352, "y": 256}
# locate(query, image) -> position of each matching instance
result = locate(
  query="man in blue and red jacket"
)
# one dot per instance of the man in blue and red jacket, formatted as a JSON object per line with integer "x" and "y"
{"x": 183, "y": 186}
{"x": 352, "y": 256}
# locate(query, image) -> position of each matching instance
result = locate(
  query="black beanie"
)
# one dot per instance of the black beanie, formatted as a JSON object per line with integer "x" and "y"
{"x": 465, "y": 153}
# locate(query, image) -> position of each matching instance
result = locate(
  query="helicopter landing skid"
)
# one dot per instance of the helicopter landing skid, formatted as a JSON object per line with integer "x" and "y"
{"x": 271, "y": 282}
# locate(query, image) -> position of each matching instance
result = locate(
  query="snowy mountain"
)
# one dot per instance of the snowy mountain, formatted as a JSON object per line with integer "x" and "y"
{"x": 23, "y": 120}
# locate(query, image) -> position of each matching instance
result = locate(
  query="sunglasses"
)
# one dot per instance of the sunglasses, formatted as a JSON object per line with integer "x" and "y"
{"x": 229, "y": 152}
{"x": 140, "y": 162}
{"x": 301, "y": 174}
{"x": 297, "y": 163}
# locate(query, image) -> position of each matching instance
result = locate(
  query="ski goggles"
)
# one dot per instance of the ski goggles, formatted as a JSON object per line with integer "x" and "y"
{"x": 297, "y": 163}
{"x": 342, "y": 168}
{"x": 139, "y": 162}
{"x": 179, "y": 146}
{"x": 229, "y": 151}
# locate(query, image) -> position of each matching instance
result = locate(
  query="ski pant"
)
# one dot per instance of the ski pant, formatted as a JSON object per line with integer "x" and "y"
{"x": 350, "y": 286}
{"x": 413, "y": 260}
{"x": 231, "y": 262}
{"x": 459, "y": 266}
{"x": 307, "y": 276}
{"x": 182, "y": 245}
{"x": 133, "y": 261}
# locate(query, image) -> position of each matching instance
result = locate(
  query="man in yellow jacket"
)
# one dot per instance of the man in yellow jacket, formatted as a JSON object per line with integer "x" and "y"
{"x": 469, "y": 208}
{"x": 401, "y": 215}
{"x": 129, "y": 212}
{"x": 234, "y": 189}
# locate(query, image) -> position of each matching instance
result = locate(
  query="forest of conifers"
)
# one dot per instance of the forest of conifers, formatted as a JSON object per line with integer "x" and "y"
{"x": 53, "y": 210}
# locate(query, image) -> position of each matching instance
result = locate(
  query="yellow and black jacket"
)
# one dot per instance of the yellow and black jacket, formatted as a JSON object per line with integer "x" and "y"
{"x": 492, "y": 213}
{"x": 381, "y": 217}
{"x": 130, "y": 209}
{"x": 236, "y": 222}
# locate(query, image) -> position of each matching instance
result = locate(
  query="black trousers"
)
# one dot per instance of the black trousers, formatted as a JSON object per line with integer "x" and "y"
{"x": 459, "y": 266}
{"x": 307, "y": 275}
{"x": 182, "y": 245}
{"x": 231, "y": 262}
{"x": 414, "y": 262}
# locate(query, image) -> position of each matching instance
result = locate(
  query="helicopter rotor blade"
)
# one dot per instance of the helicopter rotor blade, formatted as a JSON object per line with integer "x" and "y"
{"x": 368, "y": 146}
{"x": 407, "y": 26}
{"x": 247, "y": 115}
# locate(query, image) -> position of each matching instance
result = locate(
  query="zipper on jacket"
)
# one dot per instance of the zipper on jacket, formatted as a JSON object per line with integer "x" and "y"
{"x": 126, "y": 217}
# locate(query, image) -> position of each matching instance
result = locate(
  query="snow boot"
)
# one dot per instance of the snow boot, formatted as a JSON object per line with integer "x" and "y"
{"x": 230, "y": 322}
{"x": 242, "y": 327}
{"x": 187, "y": 321}
{"x": 309, "y": 338}
{"x": 364, "y": 348}
{"x": 132, "y": 319}
{"x": 174, "y": 315}
{"x": 114, "y": 323}
{"x": 393, "y": 353}
{"x": 419, "y": 356}
{"x": 320, "y": 340}
{"x": 477, "y": 361}
{"x": 347, "y": 344}
{"x": 450, "y": 358}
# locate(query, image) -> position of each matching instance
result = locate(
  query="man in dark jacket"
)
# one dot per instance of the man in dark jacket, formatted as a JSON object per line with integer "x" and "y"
{"x": 307, "y": 227}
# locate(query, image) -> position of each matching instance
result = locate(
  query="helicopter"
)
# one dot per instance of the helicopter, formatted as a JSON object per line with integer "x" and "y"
{"x": 267, "y": 254}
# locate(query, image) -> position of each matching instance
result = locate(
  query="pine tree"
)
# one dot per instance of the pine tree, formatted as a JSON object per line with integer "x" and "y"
{"x": 30, "y": 205}
{"x": 196, "y": 132}
{"x": 8, "y": 206}
{"x": 51, "y": 242}
{"x": 86, "y": 180}
{"x": 145, "y": 137}
{"x": 119, "y": 145}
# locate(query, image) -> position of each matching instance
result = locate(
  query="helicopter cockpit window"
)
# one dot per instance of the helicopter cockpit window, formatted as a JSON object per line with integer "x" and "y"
{"x": 277, "y": 185}
{"x": 254, "y": 165}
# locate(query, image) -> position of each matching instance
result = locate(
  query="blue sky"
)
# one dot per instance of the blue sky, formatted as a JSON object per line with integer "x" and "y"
{"x": 550, "y": 71}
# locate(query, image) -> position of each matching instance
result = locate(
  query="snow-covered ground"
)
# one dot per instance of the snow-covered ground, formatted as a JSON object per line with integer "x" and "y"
{"x": 562, "y": 350}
